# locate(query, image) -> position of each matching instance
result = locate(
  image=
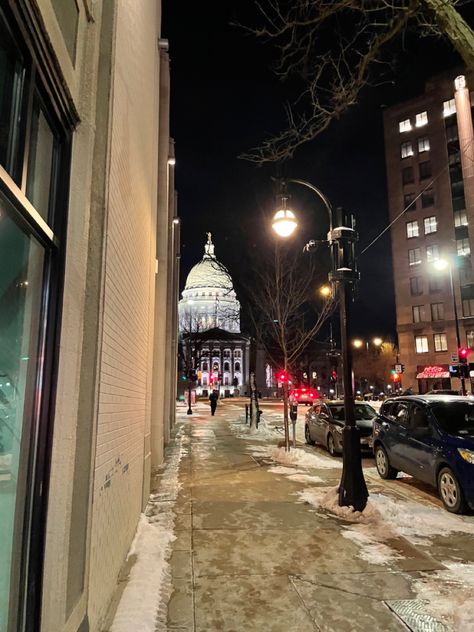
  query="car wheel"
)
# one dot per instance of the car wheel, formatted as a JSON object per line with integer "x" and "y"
{"x": 450, "y": 491}
{"x": 331, "y": 445}
{"x": 307, "y": 436}
{"x": 382, "y": 463}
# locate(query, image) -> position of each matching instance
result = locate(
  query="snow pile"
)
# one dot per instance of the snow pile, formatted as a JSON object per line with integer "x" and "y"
{"x": 301, "y": 458}
{"x": 264, "y": 432}
{"x": 418, "y": 522}
{"x": 143, "y": 605}
{"x": 449, "y": 595}
{"x": 327, "y": 498}
{"x": 138, "y": 607}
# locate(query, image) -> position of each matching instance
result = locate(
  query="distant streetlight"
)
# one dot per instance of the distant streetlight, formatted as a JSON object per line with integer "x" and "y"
{"x": 325, "y": 291}
{"x": 441, "y": 265}
{"x": 378, "y": 342}
{"x": 352, "y": 489}
{"x": 358, "y": 343}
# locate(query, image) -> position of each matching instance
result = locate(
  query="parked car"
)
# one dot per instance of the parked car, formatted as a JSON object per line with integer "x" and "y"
{"x": 430, "y": 437}
{"x": 443, "y": 391}
{"x": 303, "y": 395}
{"x": 324, "y": 423}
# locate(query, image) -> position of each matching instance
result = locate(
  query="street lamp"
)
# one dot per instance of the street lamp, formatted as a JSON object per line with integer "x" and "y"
{"x": 325, "y": 291}
{"x": 343, "y": 275}
{"x": 190, "y": 356}
{"x": 441, "y": 265}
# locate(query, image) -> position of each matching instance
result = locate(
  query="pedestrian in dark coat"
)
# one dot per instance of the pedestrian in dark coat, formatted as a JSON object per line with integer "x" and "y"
{"x": 213, "y": 397}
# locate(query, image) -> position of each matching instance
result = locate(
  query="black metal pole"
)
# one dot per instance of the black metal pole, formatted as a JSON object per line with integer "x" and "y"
{"x": 352, "y": 489}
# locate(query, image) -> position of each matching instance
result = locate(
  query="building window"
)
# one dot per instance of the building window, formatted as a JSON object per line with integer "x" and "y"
{"x": 470, "y": 339}
{"x": 425, "y": 169}
{"x": 416, "y": 286}
{"x": 460, "y": 218}
{"x": 418, "y": 312}
{"x": 34, "y": 152}
{"x": 404, "y": 126}
{"x": 421, "y": 344}
{"x": 414, "y": 256}
{"x": 423, "y": 144}
{"x": 421, "y": 119}
{"x": 431, "y": 225}
{"x": 427, "y": 198}
{"x": 412, "y": 229}
{"x": 465, "y": 275}
{"x": 237, "y": 353}
{"x": 204, "y": 381}
{"x": 449, "y": 107}
{"x": 452, "y": 135}
{"x": 408, "y": 175}
{"x": 409, "y": 203}
{"x": 440, "y": 342}
{"x": 435, "y": 283}
{"x": 226, "y": 366}
{"x": 237, "y": 366}
{"x": 437, "y": 311}
{"x": 463, "y": 247}
{"x": 226, "y": 380}
{"x": 205, "y": 366}
{"x": 468, "y": 307}
{"x": 406, "y": 149}
{"x": 432, "y": 253}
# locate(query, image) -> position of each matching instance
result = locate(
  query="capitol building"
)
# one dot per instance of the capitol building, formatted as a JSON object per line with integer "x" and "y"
{"x": 209, "y": 316}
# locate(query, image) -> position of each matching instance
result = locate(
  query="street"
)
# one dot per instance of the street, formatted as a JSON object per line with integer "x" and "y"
{"x": 237, "y": 529}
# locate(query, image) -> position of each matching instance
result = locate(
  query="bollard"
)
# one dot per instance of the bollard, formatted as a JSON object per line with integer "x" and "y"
{"x": 246, "y": 413}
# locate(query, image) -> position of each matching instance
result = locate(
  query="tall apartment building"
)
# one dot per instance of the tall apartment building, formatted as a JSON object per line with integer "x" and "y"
{"x": 430, "y": 169}
{"x": 88, "y": 299}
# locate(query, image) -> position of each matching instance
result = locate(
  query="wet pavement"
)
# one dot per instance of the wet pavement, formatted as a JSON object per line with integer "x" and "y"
{"x": 250, "y": 555}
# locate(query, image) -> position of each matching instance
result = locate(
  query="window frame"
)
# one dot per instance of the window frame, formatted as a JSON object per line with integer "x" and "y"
{"x": 437, "y": 311}
{"x": 406, "y": 149}
{"x": 421, "y": 119}
{"x": 430, "y": 223}
{"x": 423, "y": 338}
{"x": 423, "y": 144}
{"x": 436, "y": 342}
{"x": 412, "y": 229}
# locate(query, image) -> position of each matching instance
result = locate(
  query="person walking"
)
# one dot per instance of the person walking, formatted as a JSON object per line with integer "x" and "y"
{"x": 213, "y": 397}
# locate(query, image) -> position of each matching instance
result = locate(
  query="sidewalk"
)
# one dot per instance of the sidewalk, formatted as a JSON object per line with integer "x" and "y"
{"x": 258, "y": 547}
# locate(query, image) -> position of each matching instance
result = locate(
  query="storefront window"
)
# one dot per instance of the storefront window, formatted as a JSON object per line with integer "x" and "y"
{"x": 21, "y": 281}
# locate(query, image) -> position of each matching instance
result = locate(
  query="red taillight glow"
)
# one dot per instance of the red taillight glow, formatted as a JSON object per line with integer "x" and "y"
{"x": 312, "y": 395}
{"x": 297, "y": 394}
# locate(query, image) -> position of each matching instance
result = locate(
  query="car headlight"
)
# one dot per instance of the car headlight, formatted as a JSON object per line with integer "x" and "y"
{"x": 467, "y": 455}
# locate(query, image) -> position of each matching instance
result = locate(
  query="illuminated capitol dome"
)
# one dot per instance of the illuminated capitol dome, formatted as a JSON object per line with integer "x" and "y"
{"x": 209, "y": 299}
{"x": 209, "y": 314}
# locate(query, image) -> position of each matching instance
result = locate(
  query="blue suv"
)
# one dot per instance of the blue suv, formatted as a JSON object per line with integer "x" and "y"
{"x": 430, "y": 437}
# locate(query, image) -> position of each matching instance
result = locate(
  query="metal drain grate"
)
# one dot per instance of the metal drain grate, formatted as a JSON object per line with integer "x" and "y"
{"x": 412, "y": 613}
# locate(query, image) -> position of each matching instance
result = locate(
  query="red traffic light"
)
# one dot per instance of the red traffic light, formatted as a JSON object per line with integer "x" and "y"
{"x": 396, "y": 377}
{"x": 283, "y": 376}
{"x": 463, "y": 352}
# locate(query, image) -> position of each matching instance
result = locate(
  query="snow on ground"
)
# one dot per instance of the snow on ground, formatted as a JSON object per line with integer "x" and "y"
{"x": 143, "y": 604}
{"x": 449, "y": 595}
{"x": 301, "y": 458}
{"x": 305, "y": 478}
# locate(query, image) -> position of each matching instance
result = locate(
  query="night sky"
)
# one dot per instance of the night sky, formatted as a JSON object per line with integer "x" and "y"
{"x": 225, "y": 99}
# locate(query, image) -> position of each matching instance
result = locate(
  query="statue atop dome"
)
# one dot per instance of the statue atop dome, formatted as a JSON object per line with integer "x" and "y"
{"x": 209, "y": 247}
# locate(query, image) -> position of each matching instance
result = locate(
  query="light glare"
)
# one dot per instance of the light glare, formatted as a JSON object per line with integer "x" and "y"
{"x": 284, "y": 223}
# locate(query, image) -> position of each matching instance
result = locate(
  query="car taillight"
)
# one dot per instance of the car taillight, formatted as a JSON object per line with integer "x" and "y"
{"x": 304, "y": 390}
{"x": 297, "y": 394}
{"x": 311, "y": 395}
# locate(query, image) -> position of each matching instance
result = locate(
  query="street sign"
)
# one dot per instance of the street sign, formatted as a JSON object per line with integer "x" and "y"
{"x": 454, "y": 358}
{"x": 399, "y": 368}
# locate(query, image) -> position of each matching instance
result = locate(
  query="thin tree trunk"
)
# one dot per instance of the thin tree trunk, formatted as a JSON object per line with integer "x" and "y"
{"x": 285, "y": 417}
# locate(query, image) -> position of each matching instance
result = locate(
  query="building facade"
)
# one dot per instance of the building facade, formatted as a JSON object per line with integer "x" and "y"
{"x": 430, "y": 170}
{"x": 88, "y": 285}
{"x": 209, "y": 323}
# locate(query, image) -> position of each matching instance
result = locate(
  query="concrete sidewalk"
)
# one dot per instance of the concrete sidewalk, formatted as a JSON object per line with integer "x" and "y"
{"x": 250, "y": 555}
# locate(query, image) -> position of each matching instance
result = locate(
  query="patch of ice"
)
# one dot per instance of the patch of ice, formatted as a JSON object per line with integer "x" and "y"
{"x": 371, "y": 549}
{"x": 281, "y": 469}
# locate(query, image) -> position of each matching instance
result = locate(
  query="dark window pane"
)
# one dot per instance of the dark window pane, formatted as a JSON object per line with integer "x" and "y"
{"x": 427, "y": 198}
{"x": 40, "y": 161}
{"x": 409, "y": 203}
{"x": 425, "y": 169}
{"x": 408, "y": 175}
{"x": 11, "y": 94}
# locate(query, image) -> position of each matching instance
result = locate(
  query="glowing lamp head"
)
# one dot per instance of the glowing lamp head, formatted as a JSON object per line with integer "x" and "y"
{"x": 357, "y": 344}
{"x": 325, "y": 291}
{"x": 440, "y": 264}
{"x": 284, "y": 222}
{"x": 378, "y": 342}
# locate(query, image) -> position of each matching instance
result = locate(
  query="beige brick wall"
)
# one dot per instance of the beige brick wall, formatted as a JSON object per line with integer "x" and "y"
{"x": 124, "y": 390}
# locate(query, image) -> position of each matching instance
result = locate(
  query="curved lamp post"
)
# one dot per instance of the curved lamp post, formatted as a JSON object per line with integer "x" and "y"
{"x": 343, "y": 275}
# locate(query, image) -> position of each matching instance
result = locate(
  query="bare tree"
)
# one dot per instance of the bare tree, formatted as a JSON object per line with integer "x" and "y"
{"x": 284, "y": 313}
{"x": 336, "y": 48}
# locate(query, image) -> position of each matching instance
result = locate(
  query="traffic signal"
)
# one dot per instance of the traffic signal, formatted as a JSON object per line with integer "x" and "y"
{"x": 395, "y": 375}
{"x": 283, "y": 376}
{"x": 334, "y": 375}
{"x": 463, "y": 352}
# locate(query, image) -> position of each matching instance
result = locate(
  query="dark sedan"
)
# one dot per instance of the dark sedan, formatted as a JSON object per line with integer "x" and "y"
{"x": 430, "y": 437}
{"x": 324, "y": 423}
